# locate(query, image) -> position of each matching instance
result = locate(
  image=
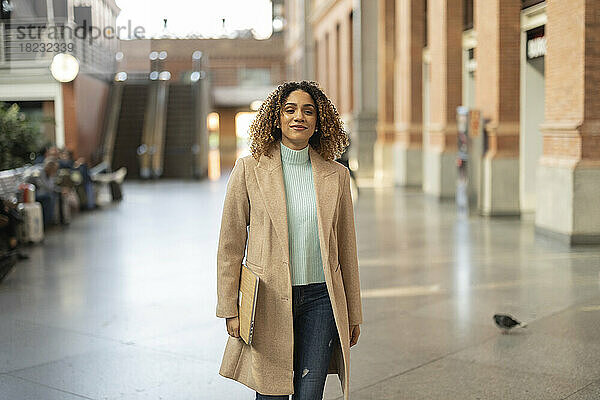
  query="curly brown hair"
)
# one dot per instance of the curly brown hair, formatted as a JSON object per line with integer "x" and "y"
{"x": 329, "y": 140}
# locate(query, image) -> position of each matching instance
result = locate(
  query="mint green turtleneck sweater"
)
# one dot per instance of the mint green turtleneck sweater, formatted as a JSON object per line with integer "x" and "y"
{"x": 306, "y": 265}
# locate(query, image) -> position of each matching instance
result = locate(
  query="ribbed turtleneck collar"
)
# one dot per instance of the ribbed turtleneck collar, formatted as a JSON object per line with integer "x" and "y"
{"x": 290, "y": 156}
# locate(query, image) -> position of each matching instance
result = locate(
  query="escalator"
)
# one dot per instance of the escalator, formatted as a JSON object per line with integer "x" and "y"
{"x": 157, "y": 129}
{"x": 130, "y": 126}
{"x": 180, "y": 133}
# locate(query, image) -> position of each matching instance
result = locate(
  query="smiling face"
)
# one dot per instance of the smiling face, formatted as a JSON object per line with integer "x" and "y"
{"x": 298, "y": 120}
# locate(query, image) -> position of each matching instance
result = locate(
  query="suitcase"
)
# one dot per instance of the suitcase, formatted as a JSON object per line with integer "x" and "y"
{"x": 115, "y": 190}
{"x": 65, "y": 210}
{"x": 32, "y": 228}
{"x": 103, "y": 195}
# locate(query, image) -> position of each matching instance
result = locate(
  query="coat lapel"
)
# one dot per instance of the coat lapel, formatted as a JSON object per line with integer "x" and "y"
{"x": 269, "y": 175}
{"x": 326, "y": 191}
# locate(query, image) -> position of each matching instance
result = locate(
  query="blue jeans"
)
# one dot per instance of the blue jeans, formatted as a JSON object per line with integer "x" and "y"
{"x": 315, "y": 335}
{"x": 48, "y": 201}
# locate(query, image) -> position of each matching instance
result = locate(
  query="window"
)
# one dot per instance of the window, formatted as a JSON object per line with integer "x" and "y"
{"x": 467, "y": 14}
{"x": 83, "y": 16}
{"x": 529, "y": 3}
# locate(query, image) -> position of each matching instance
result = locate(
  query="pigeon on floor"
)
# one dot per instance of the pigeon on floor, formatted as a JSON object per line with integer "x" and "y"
{"x": 506, "y": 322}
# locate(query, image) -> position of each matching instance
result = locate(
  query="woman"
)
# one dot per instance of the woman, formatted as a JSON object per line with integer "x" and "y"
{"x": 290, "y": 202}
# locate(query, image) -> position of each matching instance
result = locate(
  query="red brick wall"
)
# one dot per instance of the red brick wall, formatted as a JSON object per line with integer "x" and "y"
{"x": 90, "y": 103}
{"x": 409, "y": 60}
{"x": 572, "y": 107}
{"x": 565, "y": 60}
{"x": 445, "y": 49}
{"x": 592, "y": 60}
{"x": 225, "y": 57}
{"x": 497, "y": 23}
{"x": 84, "y": 102}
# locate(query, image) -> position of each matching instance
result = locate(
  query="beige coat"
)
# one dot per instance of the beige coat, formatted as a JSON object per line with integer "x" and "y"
{"x": 256, "y": 199}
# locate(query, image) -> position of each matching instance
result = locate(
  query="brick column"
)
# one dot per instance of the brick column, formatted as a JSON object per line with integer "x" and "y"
{"x": 384, "y": 146}
{"x": 497, "y": 23}
{"x": 71, "y": 132}
{"x": 322, "y": 72}
{"x": 568, "y": 183}
{"x": 408, "y": 106}
{"x": 332, "y": 71}
{"x": 363, "y": 126}
{"x": 445, "y": 48}
{"x": 345, "y": 102}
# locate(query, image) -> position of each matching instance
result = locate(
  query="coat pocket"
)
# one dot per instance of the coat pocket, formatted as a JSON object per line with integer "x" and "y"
{"x": 254, "y": 267}
{"x": 336, "y": 268}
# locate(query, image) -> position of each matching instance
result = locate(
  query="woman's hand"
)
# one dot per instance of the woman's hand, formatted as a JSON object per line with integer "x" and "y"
{"x": 354, "y": 334}
{"x": 233, "y": 326}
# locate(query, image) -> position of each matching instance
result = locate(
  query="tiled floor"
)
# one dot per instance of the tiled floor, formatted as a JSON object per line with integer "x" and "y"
{"x": 120, "y": 305}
